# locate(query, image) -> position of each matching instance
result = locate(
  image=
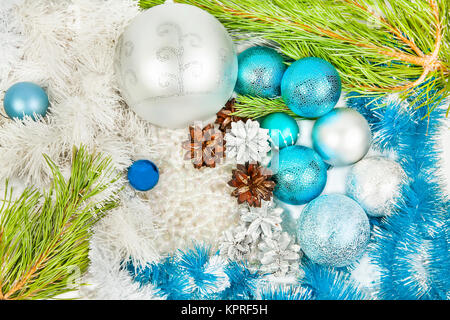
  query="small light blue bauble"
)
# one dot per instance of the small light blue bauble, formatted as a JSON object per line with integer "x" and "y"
{"x": 260, "y": 70}
{"x": 333, "y": 230}
{"x": 300, "y": 175}
{"x": 311, "y": 87}
{"x": 283, "y": 129}
{"x": 143, "y": 175}
{"x": 25, "y": 99}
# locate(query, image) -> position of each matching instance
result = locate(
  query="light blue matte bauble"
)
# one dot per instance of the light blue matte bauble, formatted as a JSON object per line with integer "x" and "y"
{"x": 143, "y": 175}
{"x": 311, "y": 87}
{"x": 260, "y": 70}
{"x": 300, "y": 175}
{"x": 333, "y": 230}
{"x": 283, "y": 129}
{"x": 25, "y": 99}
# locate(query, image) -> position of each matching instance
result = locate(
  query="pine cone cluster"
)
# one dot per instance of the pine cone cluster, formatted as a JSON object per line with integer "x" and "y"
{"x": 225, "y": 117}
{"x": 252, "y": 183}
{"x": 205, "y": 147}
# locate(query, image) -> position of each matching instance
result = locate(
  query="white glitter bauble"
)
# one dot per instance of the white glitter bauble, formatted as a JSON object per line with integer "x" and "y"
{"x": 375, "y": 184}
{"x": 176, "y": 64}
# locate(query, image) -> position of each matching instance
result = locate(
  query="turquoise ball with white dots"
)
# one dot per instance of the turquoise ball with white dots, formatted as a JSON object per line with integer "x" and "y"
{"x": 283, "y": 129}
{"x": 260, "y": 72}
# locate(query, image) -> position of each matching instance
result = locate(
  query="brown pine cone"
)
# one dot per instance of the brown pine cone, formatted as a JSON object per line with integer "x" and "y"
{"x": 206, "y": 146}
{"x": 224, "y": 117}
{"x": 252, "y": 184}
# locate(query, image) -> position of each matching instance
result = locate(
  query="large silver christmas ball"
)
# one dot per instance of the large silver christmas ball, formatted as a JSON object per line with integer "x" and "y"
{"x": 341, "y": 137}
{"x": 333, "y": 230}
{"x": 375, "y": 183}
{"x": 176, "y": 64}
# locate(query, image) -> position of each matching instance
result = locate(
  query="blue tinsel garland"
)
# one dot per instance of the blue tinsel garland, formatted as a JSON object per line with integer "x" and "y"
{"x": 410, "y": 247}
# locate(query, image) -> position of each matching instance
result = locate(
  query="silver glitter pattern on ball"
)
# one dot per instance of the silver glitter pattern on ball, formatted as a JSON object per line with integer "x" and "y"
{"x": 375, "y": 183}
{"x": 333, "y": 230}
{"x": 176, "y": 64}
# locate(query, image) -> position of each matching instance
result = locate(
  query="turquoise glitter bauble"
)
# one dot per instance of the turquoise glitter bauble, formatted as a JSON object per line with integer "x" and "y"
{"x": 300, "y": 175}
{"x": 283, "y": 129}
{"x": 143, "y": 175}
{"x": 25, "y": 99}
{"x": 311, "y": 87}
{"x": 333, "y": 230}
{"x": 260, "y": 72}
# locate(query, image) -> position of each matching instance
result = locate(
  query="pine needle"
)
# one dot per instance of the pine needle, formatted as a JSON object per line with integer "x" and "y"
{"x": 377, "y": 46}
{"x": 44, "y": 237}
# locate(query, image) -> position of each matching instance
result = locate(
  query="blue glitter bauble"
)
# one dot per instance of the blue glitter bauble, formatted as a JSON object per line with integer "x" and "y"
{"x": 311, "y": 87}
{"x": 143, "y": 175}
{"x": 300, "y": 175}
{"x": 333, "y": 230}
{"x": 25, "y": 99}
{"x": 260, "y": 72}
{"x": 283, "y": 129}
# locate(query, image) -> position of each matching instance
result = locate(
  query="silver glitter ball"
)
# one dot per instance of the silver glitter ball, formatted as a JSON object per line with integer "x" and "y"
{"x": 333, "y": 230}
{"x": 375, "y": 183}
{"x": 176, "y": 64}
{"x": 341, "y": 137}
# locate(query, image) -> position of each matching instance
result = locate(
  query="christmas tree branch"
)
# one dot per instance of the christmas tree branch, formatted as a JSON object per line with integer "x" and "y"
{"x": 44, "y": 237}
{"x": 377, "y": 46}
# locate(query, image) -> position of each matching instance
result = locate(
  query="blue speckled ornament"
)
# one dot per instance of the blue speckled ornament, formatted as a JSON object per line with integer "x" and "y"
{"x": 25, "y": 99}
{"x": 311, "y": 87}
{"x": 143, "y": 175}
{"x": 283, "y": 129}
{"x": 260, "y": 72}
{"x": 333, "y": 230}
{"x": 300, "y": 175}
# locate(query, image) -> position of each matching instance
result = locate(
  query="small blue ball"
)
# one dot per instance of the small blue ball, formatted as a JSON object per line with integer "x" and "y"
{"x": 311, "y": 87}
{"x": 25, "y": 99}
{"x": 143, "y": 175}
{"x": 283, "y": 129}
{"x": 260, "y": 72}
{"x": 333, "y": 230}
{"x": 300, "y": 175}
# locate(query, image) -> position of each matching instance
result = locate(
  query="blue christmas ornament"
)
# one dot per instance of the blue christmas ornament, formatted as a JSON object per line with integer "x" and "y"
{"x": 300, "y": 175}
{"x": 143, "y": 175}
{"x": 260, "y": 72}
{"x": 311, "y": 87}
{"x": 333, "y": 230}
{"x": 25, "y": 99}
{"x": 283, "y": 129}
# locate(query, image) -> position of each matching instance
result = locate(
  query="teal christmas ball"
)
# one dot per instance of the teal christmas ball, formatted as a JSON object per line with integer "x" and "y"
{"x": 311, "y": 87}
{"x": 333, "y": 230}
{"x": 260, "y": 70}
{"x": 143, "y": 175}
{"x": 283, "y": 129}
{"x": 299, "y": 173}
{"x": 25, "y": 99}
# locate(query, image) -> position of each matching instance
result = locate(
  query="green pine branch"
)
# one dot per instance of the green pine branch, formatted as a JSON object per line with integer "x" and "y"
{"x": 44, "y": 237}
{"x": 377, "y": 46}
{"x": 255, "y": 107}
